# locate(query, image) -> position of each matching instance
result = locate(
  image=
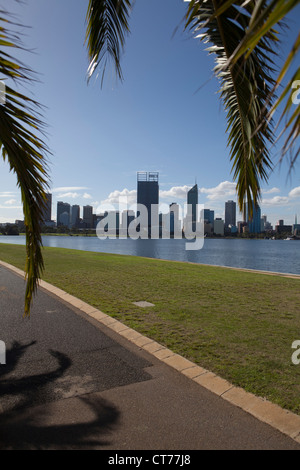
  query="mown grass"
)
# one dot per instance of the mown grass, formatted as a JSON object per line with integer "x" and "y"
{"x": 240, "y": 325}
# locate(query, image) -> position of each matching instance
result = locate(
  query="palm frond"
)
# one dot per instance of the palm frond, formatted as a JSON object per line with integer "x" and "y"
{"x": 266, "y": 16}
{"x": 107, "y": 24}
{"x": 244, "y": 88}
{"x": 25, "y": 153}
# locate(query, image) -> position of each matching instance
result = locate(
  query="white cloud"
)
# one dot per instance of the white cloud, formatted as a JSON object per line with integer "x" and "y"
{"x": 7, "y": 220}
{"x": 224, "y": 190}
{"x": 295, "y": 192}
{"x": 271, "y": 191}
{"x": 66, "y": 189}
{"x": 68, "y": 195}
{"x": 87, "y": 196}
{"x": 176, "y": 192}
{"x": 117, "y": 197}
{"x": 10, "y": 202}
{"x": 7, "y": 194}
{"x": 275, "y": 201}
{"x": 10, "y": 207}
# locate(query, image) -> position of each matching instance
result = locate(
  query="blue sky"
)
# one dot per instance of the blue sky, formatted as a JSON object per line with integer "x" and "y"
{"x": 166, "y": 116}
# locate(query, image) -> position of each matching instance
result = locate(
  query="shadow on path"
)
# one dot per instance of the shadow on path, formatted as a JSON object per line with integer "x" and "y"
{"x": 24, "y": 426}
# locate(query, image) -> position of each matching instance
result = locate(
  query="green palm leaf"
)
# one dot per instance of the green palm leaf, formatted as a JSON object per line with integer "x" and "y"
{"x": 245, "y": 86}
{"x": 107, "y": 24}
{"x": 25, "y": 153}
{"x": 264, "y": 17}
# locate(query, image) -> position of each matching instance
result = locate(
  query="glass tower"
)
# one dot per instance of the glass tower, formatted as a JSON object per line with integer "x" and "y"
{"x": 148, "y": 194}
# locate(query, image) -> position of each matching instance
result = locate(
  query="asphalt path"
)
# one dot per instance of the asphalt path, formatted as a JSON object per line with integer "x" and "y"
{"x": 71, "y": 383}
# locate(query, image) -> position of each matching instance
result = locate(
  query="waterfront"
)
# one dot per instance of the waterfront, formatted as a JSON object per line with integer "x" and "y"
{"x": 266, "y": 255}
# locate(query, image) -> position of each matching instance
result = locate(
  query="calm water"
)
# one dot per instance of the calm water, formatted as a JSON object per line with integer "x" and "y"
{"x": 266, "y": 255}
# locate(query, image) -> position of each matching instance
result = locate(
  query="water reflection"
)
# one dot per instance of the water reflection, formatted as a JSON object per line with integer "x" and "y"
{"x": 267, "y": 255}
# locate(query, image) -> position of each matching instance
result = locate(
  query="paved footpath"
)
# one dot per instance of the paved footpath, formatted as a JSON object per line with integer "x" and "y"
{"x": 76, "y": 379}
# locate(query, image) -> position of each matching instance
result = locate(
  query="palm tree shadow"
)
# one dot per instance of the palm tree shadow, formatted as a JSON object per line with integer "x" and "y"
{"x": 25, "y": 426}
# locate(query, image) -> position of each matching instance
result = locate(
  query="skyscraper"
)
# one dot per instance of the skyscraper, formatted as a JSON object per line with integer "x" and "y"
{"x": 63, "y": 214}
{"x": 192, "y": 201}
{"x": 254, "y": 222}
{"x": 75, "y": 216}
{"x": 230, "y": 213}
{"x": 88, "y": 216}
{"x": 48, "y": 208}
{"x": 148, "y": 194}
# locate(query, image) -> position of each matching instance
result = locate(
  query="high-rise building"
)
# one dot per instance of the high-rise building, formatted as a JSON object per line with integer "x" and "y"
{"x": 208, "y": 216}
{"x": 230, "y": 213}
{"x": 219, "y": 226}
{"x": 48, "y": 208}
{"x": 192, "y": 201}
{"x": 254, "y": 222}
{"x": 88, "y": 216}
{"x": 63, "y": 214}
{"x": 175, "y": 225}
{"x": 148, "y": 195}
{"x": 75, "y": 216}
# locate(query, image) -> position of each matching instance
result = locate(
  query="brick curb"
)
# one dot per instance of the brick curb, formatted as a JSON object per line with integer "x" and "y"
{"x": 283, "y": 420}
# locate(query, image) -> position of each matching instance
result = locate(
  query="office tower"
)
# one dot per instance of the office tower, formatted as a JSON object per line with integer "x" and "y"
{"x": 75, "y": 216}
{"x": 63, "y": 214}
{"x": 254, "y": 222}
{"x": 192, "y": 201}
{"x": 219, "y": 226}
{"x": 88, "y": 216}
{"x": 208, "y": 216}
{"x": 48, "y": 208}
{"x": 230, "y": 213}
{"x": 148, "y": 195}
{"x": 175, "y": 224}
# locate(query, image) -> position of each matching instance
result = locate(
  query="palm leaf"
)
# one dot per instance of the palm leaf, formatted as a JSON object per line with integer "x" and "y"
{"x": 265, "y": 16}
{"x": 25, "y": 153}
{"x": 107, "y": 24}
{"x": 244, "y": 88}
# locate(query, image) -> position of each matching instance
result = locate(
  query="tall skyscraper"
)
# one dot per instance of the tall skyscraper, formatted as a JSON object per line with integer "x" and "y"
{"x": 75, "y": 216}
{"x": 192, "y": 201}
{"x": 88, "y": 216}
{"x": 208, "y": 216}
{"x": 63, "y": 214}
{"x": 148, "y": 194}
{"x": 254, "y": 222}
{"x": 230, "y": 213}
{"x": 48, "y": 208}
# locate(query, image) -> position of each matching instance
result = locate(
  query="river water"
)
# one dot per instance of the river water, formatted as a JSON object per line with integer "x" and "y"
{"x": 267, "y": 255}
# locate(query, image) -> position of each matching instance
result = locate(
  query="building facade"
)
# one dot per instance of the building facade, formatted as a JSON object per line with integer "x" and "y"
{"x": 63, "y": 214}
{"x": 148, "y": 195}
{"x": 75, "y": 216}
{"x": 230, "y": 213}
{"x": 47, "y": 214}
{"x": 88, "y": 216}
{"x": 192, "y": 201}
{"x": 254, "y": 222}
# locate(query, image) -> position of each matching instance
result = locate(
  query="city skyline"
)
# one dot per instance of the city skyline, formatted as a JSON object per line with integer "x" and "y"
{"x": 165, "y": 196}
{"x": 148, "y": 196}
{"x": 165, "y": 116}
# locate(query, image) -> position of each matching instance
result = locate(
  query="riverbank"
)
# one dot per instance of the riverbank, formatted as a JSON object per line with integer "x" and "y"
{"x": 240, "y": 325}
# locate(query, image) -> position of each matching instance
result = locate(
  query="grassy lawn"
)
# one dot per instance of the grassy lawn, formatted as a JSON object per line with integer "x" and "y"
{"x": 239, "y": 325}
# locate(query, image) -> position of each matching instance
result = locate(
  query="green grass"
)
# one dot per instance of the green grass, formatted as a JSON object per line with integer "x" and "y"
{"x": 240, "y": 325}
